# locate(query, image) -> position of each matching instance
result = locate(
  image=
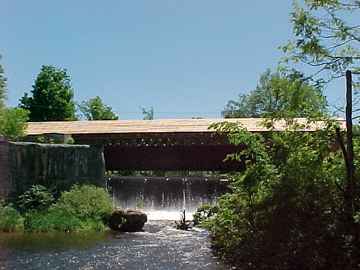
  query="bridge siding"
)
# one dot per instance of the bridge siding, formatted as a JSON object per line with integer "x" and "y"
{"x": 189, "y": 144}
{"x": 178, "y": 157}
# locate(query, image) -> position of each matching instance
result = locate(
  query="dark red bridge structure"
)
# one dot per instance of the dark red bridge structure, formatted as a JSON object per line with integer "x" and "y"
{"x": 181, "y": 144}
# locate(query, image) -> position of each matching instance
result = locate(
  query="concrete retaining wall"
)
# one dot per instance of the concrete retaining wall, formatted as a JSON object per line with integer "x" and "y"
{"x": 55, "y": 166}
{"x": 5, "y": 185}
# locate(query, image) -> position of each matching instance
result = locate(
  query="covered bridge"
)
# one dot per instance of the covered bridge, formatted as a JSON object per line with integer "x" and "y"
{"x": 168, "y": 144}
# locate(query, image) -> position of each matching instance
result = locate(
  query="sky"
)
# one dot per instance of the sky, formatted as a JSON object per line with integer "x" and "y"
{"x": 184, "y": 58}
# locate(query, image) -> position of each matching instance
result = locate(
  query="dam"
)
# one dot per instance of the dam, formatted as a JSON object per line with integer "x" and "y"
{"x": 163, "y": 198}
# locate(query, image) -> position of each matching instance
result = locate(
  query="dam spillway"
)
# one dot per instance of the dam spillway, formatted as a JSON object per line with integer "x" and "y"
{"x": 163, "y": 198}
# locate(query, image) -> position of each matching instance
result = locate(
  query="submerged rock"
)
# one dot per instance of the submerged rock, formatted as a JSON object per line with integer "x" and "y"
{"x": 127, "y": 220}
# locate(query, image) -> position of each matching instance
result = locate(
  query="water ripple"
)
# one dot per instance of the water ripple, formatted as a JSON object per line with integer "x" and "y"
{"x": 160, "y": 247}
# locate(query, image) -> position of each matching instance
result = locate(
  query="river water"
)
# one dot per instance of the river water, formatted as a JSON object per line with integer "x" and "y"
{"x": 159, "y": 247}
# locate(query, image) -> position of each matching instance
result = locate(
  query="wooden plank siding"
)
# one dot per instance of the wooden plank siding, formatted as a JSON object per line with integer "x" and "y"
{"x": 177, "y": 157}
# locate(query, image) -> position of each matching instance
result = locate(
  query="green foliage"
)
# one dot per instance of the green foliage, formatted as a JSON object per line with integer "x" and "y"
{"x": 13, "y": 123}
{"x": 70, "y": 140}
{"x": 2, "y": 87}
{"x": 357, "y": 217}
{"x": 204, "y": 213}
{"x": 85, "y": 202}
{"x": 285, "y": 210}
{"x": 59, "y": 219}
{"x": 36, "y": 198}
{"x": 51, "y": 220}
{"x": 278, "y": 95}
{"x": 326, "y": 36}
{"x": 10, "y": 218}
{"x": 51, "y": 97}
{"x": 82, "y": 208}
{"x": 95, "y": 109}
{"x": 148, "y": 113}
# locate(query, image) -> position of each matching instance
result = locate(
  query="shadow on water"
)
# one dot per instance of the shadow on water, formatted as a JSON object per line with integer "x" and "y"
{"x": 51, "y": 241}
{"x": 160, "y": 246}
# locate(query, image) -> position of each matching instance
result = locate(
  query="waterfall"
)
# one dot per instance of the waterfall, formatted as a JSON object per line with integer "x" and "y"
{"x": 165, "y": 197}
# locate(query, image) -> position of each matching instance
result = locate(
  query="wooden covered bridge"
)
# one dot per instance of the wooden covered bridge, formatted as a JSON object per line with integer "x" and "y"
{"x": 181, "y": 144}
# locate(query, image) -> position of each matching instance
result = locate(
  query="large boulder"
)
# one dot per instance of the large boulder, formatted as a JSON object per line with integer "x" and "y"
{"x": 127, "y": 220}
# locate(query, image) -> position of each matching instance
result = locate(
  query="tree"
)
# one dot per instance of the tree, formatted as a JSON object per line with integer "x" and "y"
{"x": 95, "y": 109}
{"x": 326, "y": 36}
{"x": 51, "y": 97}
{"x": 148, "y": 113}
{"x": 279, "y": 95}
{"x": 2, "y": 87}
{"x": 12, "y": 120}
{"x": 13, "y": 123}
{"x": 285, "y": 208}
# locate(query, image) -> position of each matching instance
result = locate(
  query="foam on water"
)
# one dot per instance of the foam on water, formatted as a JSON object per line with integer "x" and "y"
{"x": 167, "y": 215}
{"x": 164, "y": 198}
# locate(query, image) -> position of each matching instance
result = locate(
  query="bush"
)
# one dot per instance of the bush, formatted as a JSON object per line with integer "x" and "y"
{"x": 10, "y": 218}
{"x": 51, "y": 220}
{"x": 204, "y": 213}
{"x": 55, "y": 219}
{"x": 85, "y": 202}
{"x": 83, "y": 208}
{"x": 36, "y": 198}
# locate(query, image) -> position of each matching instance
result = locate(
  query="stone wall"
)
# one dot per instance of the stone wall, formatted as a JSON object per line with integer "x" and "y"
{"x": 56, "y": 166}
{"x": 5, "y": 185}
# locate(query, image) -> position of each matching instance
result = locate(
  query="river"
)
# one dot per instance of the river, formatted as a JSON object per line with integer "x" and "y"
{"x": 159, "y": 247}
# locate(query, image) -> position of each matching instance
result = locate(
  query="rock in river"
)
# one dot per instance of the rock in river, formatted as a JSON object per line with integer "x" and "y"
{"x": 127, "y": 220}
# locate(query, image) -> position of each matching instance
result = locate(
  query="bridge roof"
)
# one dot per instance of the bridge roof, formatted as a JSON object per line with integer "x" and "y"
{"x": 153, "y": 126}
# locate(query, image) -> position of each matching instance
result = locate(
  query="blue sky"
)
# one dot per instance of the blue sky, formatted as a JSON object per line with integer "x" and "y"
{"x": 186, "y": 58}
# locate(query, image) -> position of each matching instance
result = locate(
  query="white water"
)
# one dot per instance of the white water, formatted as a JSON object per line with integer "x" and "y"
{"x": 164, "y": 198}
{"x": 166, "y": 214}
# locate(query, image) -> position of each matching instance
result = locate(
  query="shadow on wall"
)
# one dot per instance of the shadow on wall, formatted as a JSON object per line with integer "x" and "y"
{"x": 5, "y": 186}
{"x": 56, "y": 166}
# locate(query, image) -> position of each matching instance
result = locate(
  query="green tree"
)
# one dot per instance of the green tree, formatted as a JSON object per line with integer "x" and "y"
{"x": 13, "y": 123}
{"x": 285, "y": 208}
{"x": 327, "y": 36}
{"x": 148, "y": 114}
{"x": 327, "y": 39}
{"x": 95, "y": 109}
{"x": 2, "y": 87}
{"x": 51, "y": 97}
{"x": 12, "y": 120}
{"x": 279, "y": 95}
